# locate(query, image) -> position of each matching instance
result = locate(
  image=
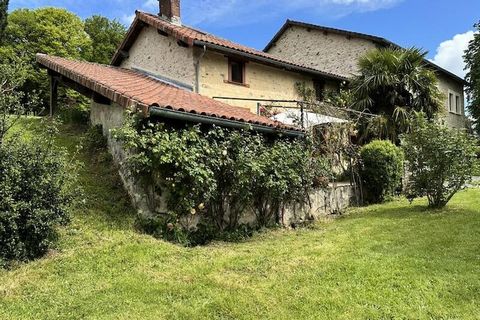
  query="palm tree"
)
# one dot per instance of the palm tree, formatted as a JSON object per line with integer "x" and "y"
{"x": 394, "y": 83}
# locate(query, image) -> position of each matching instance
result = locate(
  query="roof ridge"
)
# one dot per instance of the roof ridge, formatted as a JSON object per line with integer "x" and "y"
{"x": 193, "y": 36}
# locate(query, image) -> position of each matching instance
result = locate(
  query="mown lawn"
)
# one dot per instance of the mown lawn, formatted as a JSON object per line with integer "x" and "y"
{"x": 394, "y": 261}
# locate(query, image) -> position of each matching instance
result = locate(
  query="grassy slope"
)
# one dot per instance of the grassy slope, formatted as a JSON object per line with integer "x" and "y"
{"x": 381, "y": 262}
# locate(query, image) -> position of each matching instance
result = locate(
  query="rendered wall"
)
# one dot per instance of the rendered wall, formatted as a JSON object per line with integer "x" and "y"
{"x": 263, "y": 82}
{"x": 446, "y": 86}
{"x": 161, "y": 55}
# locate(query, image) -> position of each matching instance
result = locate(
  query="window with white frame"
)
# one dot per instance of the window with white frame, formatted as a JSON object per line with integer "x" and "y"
{"x": 458, "y": 106}
{"x": 455, "y": 103}
{"x": 450, "y": 102}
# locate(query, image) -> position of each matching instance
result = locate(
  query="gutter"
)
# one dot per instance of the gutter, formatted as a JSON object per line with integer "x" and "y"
{"x": 197, "y": 69}
{"x": 233, "y": 124}
{"x": 264, "y": 60}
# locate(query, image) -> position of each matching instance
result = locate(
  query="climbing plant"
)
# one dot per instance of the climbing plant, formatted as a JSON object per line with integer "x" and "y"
{"x": 212, "y": 176}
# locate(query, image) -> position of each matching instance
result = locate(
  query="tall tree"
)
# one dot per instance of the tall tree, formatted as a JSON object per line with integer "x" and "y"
{"x": 3, "y": 18}
{"x": 393, "y": 83}
{"x": 106, "y": 36}
{"x": 47, "y": 30}
{"x": 472, "y": 61}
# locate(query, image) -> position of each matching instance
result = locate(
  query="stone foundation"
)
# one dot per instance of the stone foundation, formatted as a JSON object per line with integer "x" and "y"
{"x": 334, "y": 200}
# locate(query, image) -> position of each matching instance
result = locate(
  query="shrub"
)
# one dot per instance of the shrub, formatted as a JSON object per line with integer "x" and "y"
{"x": 37, "y": 187}
{"x": 210, "y": 176}
{"x": 381, "y": 170}
{"x": 73, "y": 107}
{"x": 440, "y": 161}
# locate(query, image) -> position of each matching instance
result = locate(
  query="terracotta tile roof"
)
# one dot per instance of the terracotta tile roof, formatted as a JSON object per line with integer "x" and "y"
{"x": 193, "y": 37}
{"x": 130, "y": 88}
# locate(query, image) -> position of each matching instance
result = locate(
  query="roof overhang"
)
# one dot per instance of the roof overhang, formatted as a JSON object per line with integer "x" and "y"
{"x": 269, "y": 62}
{"x": 136, "y": 91}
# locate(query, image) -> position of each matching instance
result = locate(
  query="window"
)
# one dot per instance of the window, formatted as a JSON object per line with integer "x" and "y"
{"x": 455, "y": 102}
{"x": 319, "y": 86}
{"x": 236, "y": 71}
{"x": 451, "y": 107}
{"x": 458, "y": 105}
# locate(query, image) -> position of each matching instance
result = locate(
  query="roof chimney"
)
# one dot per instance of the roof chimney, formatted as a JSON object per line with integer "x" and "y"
{"x": 170, "y": 10}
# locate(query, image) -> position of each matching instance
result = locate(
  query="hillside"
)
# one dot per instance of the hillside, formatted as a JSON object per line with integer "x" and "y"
{"x": 381, "y": 262}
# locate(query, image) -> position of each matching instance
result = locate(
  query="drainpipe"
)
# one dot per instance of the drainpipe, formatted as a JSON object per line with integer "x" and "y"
{"x": 197, "y": 118}
{"x": 197, "y": 69}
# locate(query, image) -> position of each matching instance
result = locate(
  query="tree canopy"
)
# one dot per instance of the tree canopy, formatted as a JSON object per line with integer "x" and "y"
{"x": 57, "y": 32}
{"x": 48, "y": 30}
{"x": 3, "y": 18}
{"x": 472, "y": 60}
{"x": 106, "y": 36}
{"x": 392, "y": 83}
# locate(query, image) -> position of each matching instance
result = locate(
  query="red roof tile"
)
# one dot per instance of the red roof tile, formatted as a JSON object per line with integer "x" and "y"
{"x": 191, "y": 36}
{"x": 130, "y": 88}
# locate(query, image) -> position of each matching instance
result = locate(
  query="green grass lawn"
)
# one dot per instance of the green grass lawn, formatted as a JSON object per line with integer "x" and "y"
{"x": 393, "y": 261}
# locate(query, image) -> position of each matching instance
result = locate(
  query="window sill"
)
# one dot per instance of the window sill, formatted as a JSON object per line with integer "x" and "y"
{"x": 455, "y": 114}
{"x": 237, "y": 83}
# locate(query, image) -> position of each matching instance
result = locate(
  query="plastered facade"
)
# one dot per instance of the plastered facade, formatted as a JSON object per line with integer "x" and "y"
{"x": 161, "y": 55}
{"x": 262, "y": 82}
{"x": 447, "y": 86}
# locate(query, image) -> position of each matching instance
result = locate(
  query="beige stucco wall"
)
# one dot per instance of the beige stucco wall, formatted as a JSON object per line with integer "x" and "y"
{"x": 446, "y": 86}
{"x": 111, "y": 117}
{"x": 161, "y": 55}
{"x": 329, "y": 52}
{"x": 264, "y": 82}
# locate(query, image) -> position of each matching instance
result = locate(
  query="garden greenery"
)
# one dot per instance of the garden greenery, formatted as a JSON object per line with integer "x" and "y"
{"x": 37, "y": 188}
{"x": 211, "y": 177}
{"x": 440, "y": 161}
{"x": 381, "y": 169}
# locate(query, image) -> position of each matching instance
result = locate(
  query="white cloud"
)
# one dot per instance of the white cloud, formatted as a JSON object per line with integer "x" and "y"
{"x": 127, "y": 19}
{"x": 236, "y": 12}
{"x": 450, "y": 53}
{"x": 218, "y": 12}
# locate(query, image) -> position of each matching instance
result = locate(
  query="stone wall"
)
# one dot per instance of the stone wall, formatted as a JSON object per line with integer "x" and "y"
{"x": 263, "y": 82}
{"x": 332, "y": 201}
{"x": 329, "y": 52}
{"x": 323, "y": 202}
{"x": 161, "y": 55}
{"x": 339, "y": 54}
{"x": 111, "y": 117}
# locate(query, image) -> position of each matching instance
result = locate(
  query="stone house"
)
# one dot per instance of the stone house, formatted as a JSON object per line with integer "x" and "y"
{"x": 161, "y": 46}
{"x": 337, "y": 51}
{"x": 172, "y": 73}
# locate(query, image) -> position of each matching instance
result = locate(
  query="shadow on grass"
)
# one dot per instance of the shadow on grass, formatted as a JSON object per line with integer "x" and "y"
{"x": 105, "y": 203}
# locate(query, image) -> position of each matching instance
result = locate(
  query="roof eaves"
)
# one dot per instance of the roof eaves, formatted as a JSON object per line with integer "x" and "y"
{"x": 271, "y": 61}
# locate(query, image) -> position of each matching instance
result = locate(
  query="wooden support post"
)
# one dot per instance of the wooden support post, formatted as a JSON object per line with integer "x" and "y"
{"x": 53, "y": 95}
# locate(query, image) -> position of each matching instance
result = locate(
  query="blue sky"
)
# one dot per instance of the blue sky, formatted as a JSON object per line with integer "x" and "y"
{"x": 443, "y": 27}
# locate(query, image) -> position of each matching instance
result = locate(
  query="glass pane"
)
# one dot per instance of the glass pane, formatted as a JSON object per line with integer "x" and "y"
{"x": 237, "y": 71}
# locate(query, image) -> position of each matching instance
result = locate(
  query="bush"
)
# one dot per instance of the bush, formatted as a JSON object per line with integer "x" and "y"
{"x": 210, "y": 176}
{"x": 440, "y": 161}
{"x": 37, "y": 187}
{"x": 381, "y": 170}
